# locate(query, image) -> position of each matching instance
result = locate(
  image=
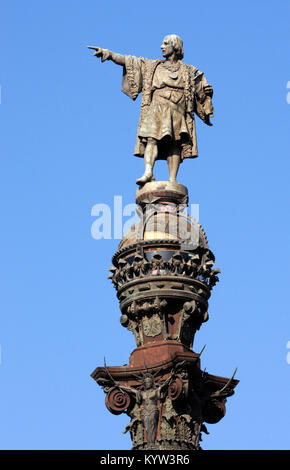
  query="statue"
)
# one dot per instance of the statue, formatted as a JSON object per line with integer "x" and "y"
{"x": 172, "y": 92}
{"x": 148, "y": 397}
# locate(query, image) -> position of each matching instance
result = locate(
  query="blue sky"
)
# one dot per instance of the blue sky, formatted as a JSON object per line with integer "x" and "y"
{"x": 67, "y": 139}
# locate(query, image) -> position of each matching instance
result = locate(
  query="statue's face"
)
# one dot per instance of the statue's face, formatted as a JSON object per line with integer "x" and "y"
{"x": 167, "y": 48}
{"x": 148, "y": 383}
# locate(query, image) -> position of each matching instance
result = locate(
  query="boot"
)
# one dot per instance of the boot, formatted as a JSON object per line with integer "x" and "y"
{"x": 148, "y": 176}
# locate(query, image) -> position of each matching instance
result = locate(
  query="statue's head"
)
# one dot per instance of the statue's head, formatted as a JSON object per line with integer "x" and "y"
{"x": 148, "y": 382}
{"x": 172, "y": 43}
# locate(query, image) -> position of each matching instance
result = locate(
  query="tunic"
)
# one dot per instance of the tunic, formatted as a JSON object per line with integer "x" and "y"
{"x": 169, "y": 100}
{"x": 166, "y": 115}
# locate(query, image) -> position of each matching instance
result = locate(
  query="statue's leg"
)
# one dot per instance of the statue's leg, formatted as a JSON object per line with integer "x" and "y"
{"x": 150, "y": 155}
{"x": 173, "y": 160}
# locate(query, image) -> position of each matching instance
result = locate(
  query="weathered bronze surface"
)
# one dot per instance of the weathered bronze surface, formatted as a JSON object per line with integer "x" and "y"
{"x": 168, "y": 402}
{"x": 163, "y": 271}
{"x": 172, "y": 93}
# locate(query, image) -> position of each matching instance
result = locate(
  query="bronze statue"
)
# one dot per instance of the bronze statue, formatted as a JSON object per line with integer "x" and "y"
{"x": 148, "y": 397}
{"x": 163, "y": 270}
{"x": 172, "y": 92}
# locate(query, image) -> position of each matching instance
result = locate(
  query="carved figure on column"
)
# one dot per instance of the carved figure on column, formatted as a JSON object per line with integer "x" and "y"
{"x": 172, "y": 93}
{"x": 149, "y": 397}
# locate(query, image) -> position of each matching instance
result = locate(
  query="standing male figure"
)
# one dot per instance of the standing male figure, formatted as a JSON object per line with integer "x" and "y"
{"x": 172, "y": 92}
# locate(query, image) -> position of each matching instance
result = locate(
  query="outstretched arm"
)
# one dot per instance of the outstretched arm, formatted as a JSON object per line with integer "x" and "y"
{"x": 128, "y": 389}
{"x": 105, "y": 54}
{"x": 166, "y": 383}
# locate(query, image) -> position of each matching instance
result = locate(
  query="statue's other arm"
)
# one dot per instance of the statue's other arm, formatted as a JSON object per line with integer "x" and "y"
{"x": 128, "y": 389}
{"x": 105, "y": 54}
{"x": 163, "y": 388}
{"x": 204, "y": 92}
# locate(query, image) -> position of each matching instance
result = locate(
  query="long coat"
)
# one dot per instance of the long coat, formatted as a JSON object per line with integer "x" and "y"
{"x": 138, "y": 77}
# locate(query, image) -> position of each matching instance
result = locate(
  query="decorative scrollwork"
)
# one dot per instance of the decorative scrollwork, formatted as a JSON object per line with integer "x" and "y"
{"x": 175, "y": 388}
{"x": 117, "y": 401}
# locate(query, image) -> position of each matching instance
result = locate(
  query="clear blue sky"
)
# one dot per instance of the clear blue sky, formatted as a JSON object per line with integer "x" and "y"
{"x": 67, "y": 138}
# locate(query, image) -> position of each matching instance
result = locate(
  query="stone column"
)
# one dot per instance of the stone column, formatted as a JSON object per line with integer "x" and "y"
{"x": 163, "y": 273}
